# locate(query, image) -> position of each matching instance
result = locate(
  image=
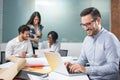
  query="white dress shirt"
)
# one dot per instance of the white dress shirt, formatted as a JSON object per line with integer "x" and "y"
{"x": 15, "y": 47}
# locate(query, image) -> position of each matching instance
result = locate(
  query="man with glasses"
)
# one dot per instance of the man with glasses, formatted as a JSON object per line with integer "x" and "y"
{"x": 100, "y": 49}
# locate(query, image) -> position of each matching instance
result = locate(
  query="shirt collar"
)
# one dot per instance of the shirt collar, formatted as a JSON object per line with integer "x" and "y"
{"x": 99, "y": 33}
{"x": 17, "y": 39}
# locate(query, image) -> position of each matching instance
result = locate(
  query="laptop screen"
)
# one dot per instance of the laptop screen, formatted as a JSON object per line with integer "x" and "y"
{"x": 56, "y": 63}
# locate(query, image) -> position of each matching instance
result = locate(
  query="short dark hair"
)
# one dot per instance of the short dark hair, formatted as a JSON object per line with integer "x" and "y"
{"x": 54, "y": 35}
{"x": 23, "y": 28}
{"x": 91, "y": 10}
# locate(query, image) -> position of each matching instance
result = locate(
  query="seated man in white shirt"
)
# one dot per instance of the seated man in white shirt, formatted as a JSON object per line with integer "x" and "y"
{"x": 51, "y": 44}
{"x": 21, "y": 45}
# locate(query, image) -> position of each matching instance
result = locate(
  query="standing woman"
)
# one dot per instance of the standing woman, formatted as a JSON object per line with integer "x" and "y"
{"x": 35, "y": 29}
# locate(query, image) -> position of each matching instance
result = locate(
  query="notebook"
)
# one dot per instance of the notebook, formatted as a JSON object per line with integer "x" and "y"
{"x": 56, "y": 63}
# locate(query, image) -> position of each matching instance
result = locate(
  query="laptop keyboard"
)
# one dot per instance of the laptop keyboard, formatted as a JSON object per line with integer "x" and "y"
{"x": 77, "y": 72}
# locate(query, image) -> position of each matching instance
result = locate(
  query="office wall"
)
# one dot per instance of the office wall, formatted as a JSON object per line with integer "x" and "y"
{"x": 115, "y": 17}
{"x": 58, "y": 15}
{"x": 15, "y": 13}
{"x": 1, "y": 14}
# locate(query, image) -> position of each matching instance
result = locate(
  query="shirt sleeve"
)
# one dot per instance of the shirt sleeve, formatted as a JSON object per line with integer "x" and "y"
{"x": 29, "y": 49}
{"x": 57, "y": 48}
{"x": 8, "y": 50}
{"x": 82, "y": 58}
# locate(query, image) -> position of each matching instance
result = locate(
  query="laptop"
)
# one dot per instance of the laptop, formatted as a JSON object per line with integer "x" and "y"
{"x": 56, "y": 63}
{"x": 39, "y": 53}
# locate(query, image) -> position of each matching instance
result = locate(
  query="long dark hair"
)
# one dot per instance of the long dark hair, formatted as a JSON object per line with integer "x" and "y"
{"x": 30, "y": 21}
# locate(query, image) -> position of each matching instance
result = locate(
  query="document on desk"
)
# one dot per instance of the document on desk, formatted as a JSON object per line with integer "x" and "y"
{"x": 56, "y": 76}
{"x": 39, "y": 65}
{"x": 6, "y": 65}
{"x": 34, "y": 77}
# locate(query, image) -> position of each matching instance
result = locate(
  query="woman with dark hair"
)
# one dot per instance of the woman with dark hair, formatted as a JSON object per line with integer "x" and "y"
{"x": 51, "y": 44}
{"x": 35, "y": 29}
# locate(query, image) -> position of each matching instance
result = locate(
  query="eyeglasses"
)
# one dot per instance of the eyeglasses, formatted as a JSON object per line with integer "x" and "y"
{"x": 88, "y": 24}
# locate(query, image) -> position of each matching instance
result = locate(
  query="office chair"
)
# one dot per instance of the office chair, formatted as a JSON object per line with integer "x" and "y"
{"x": 2, "y": 57}
{"x": 63, "y": 52}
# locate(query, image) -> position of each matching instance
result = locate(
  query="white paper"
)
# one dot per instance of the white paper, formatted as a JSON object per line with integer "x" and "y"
{"x": 34, "y": 77}
{"x": 36, "y": 61}
{"x": 6, "y": 65}
{"x": 57, "y": 76}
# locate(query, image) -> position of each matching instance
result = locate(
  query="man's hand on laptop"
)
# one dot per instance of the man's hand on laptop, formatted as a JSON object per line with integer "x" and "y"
{"x": 68, "y": 65}
{"x": 77, "y": 68}
{"x": 74, "y": 67}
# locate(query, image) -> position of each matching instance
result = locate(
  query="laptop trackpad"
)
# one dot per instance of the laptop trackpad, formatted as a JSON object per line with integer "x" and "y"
{"x": 75, "y": 73}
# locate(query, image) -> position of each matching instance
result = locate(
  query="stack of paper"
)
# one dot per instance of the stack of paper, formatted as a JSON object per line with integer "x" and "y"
{"x": 36, "y": 61}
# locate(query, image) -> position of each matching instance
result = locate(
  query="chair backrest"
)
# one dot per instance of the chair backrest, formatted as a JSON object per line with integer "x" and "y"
{"x": 63, "y": 52}
{"x": 2, "y": 56}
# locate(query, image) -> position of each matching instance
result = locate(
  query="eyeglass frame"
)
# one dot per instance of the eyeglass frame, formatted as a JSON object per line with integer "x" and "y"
{"x": 88, "y": 24}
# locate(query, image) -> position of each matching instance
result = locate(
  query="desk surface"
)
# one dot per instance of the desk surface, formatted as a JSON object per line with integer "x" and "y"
{"x": 36, "y": 71}
{"x": 52, "y": 76}
{"x": 56, "y": 76}
{"x": 23, "y": 74}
